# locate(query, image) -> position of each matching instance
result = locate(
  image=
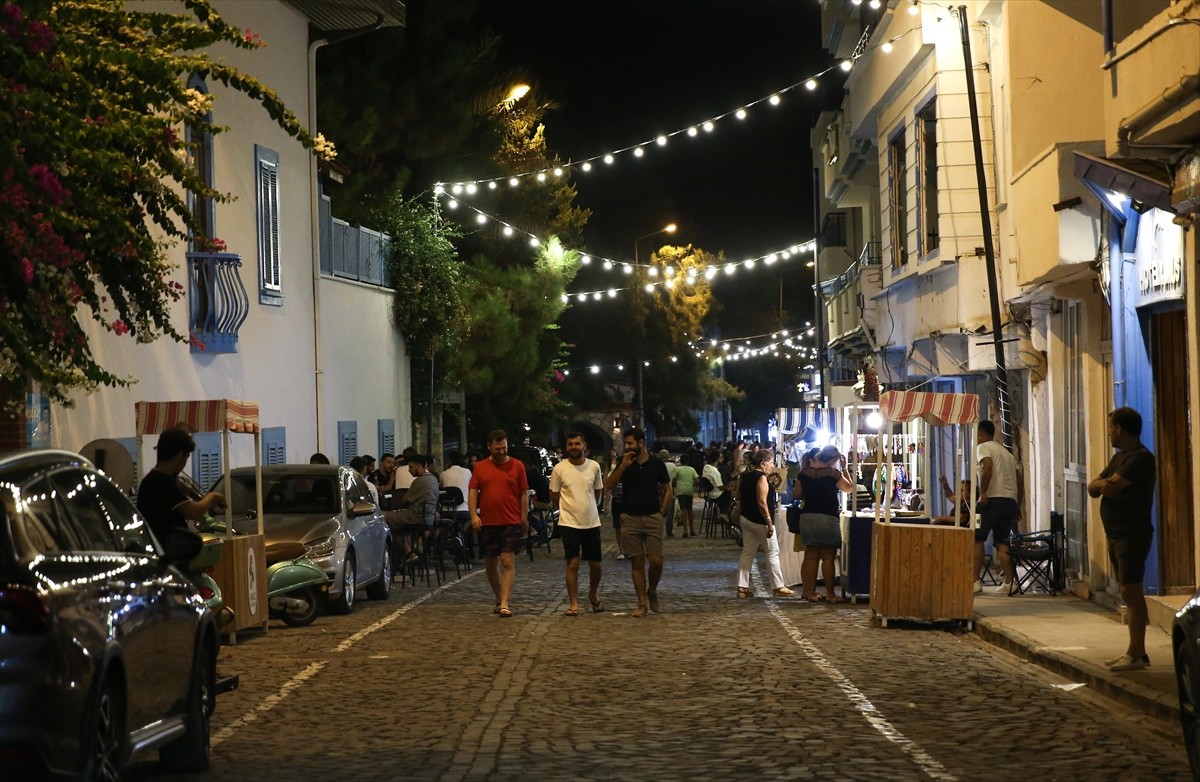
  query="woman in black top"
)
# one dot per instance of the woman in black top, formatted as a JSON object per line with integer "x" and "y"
{"x": 822, "y": 475}
{"x": 757, "y": 502}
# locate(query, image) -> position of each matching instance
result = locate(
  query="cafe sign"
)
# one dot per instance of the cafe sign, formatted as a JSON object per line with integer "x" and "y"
{"x": 1159, "y": 261}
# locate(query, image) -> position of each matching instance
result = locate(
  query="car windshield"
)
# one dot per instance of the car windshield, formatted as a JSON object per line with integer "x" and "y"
{"x": 290, "y": 493}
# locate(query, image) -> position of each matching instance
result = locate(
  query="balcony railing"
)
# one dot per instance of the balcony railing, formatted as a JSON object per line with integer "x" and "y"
{"x": 871, "y": 255}
{"x": 218, "y": 299}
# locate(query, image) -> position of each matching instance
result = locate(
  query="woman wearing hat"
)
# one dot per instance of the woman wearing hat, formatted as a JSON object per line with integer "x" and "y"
{"x": 821, "y": 478}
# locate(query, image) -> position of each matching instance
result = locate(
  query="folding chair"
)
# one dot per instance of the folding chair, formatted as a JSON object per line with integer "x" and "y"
{"x": 1038, "y": 557}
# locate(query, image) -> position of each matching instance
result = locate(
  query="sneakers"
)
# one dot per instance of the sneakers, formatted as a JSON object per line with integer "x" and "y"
{"x": 783, "y": 592}
{"x": 1127, "y": 663}
{"x": 620, "y": 556}
{"x": 978, "y": 587}
{"x": 1004, "y": 589}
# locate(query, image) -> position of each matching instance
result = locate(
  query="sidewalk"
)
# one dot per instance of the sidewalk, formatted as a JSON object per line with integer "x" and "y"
{"x": 1073, "y": 638}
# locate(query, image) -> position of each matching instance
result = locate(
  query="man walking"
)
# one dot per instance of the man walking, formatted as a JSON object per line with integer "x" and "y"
{"x": 575, "y": 489}
{"x": 646, "y": 495}
{"x": 999, "y": 494}
{"x": 1126, "y": 491}
{"x": 665, "y": 456}
{"x": 498, "y": 502}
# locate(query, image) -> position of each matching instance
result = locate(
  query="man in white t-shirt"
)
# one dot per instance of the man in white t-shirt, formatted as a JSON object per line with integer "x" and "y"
{"x": 998, "y": 503}
{"x": 575, "y": 488}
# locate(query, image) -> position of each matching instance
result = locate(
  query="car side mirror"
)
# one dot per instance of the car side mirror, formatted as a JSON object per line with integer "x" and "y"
{"x": 181, "y": 546}
{"x": 361, "y": 509}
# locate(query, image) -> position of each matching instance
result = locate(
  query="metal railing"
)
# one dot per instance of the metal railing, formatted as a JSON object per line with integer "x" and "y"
{"x": 871, "y": 255}
{"x": 218, "y": 301}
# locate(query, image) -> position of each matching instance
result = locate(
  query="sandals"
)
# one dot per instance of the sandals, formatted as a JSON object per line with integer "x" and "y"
{"x": 572, "y": 612}
{"x": 834, "y": 599}
{"x": 815, "y": 598}
{"x": 743, "y": 593}
{"x": 504, "y": 612}
{"x": 597, "y": 608}
{"x": 640, "y": 611}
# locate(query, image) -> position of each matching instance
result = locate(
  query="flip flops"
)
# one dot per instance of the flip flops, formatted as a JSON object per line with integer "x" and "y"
{"x": 597, "y": 608}
{"x": 571, "y": 612}
{"x": 504, "y": 612}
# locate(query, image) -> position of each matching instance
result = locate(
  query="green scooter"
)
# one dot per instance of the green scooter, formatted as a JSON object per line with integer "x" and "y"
{"x": 199, "y": 571}
{"x": 294, "y": 584}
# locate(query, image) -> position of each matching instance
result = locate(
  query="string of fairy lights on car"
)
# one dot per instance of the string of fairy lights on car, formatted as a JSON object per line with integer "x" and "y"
{"x": 667, "y": 277}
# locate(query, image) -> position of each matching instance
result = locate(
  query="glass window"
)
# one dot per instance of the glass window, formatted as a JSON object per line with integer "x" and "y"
{"x": 927, "y": 149}
{"x": 898, "y": 198}
{"x": 42, "y": 526}
{"x": 269, "y": 276}
{"x": 128, "y": 526}
{"x": 77, "y": 491}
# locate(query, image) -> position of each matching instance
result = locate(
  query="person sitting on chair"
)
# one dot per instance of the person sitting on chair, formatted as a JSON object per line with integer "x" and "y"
{"x": 963, "y": 519}
{"x": 417, "y": 509}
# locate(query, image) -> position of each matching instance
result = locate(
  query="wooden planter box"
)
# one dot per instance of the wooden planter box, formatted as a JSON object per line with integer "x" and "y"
{"x": 924, "y": 572}
{"x": 242, "y": 575}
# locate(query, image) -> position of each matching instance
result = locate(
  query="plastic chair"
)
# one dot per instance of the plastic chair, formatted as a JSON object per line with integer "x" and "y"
{"x": 1038, "y": 558}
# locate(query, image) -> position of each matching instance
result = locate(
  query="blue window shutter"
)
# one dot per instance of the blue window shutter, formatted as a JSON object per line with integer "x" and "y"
{"x": 130, "y": 445}
{"x": 206, "y": 459}
{"x": 347, "y": 441}
{"x": 266, "y": 165}
{"x": 274, "y": 445}
{"x": 387, "y": 436}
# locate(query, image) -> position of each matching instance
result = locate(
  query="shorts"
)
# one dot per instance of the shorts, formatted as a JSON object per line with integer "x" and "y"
{"x": 1127, "y": 555}
{"x": 616, "y": 514}
{"x": 497, "y": 539}
{"x": 575, "y": 539}
{"x": 685, "y": 500}
{"x": 642, "y": 535}
{"x": 997, "y": 516}
{"x": 820, "y": 529}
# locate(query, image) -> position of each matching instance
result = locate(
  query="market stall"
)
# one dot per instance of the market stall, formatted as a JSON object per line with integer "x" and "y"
{"x": 798, "y": 429}
{"x": 241, "y": 572}
{"x": 919, "y": 570}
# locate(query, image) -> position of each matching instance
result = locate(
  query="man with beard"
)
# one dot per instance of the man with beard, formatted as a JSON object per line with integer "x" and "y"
{"x": 498, "y": 501}
{"x": 575, "y": 488}
{"x": 646, "y": 495}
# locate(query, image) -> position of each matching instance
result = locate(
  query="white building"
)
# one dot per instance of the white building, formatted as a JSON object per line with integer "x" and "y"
{"x": 281, "y": 317}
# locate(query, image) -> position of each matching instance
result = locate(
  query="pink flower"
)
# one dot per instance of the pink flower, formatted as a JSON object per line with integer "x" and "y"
{"x": 27, "y": 270}
{"x": 119, "y": 327}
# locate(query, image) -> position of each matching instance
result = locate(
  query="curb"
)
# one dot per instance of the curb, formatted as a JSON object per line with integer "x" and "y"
{"x": 1157, "y": 704}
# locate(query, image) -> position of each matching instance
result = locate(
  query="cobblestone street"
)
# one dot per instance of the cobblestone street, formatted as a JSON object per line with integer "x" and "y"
{"x": 432, "y": 685}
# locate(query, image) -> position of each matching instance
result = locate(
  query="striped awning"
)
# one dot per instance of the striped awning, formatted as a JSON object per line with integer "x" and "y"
{"x": 937, "y": 409}
{"x": 794, "y": 420}
{"x": 206, "y": 415}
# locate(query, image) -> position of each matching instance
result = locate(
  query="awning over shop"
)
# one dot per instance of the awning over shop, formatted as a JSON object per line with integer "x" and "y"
{"x": 1145, "y": 182}
{"x": 794, "y": 420}
{"x": 936, "y": 409}
{"x": 205, "y": 415}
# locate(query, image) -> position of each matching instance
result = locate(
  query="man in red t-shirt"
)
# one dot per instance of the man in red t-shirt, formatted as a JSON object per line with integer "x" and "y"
{"x": 498, "y": 501}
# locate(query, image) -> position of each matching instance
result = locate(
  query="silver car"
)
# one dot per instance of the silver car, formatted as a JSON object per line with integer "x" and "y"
{"x": 327, "y": 509}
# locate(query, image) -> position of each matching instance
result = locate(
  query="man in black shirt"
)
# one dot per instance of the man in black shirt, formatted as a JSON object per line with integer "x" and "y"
{"x": 1126, "y": 489}
{"x": 646, "y": 494}
{"x": 161, "y": 499}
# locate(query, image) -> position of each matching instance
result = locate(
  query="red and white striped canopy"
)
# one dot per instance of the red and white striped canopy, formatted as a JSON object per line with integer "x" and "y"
{"x": 937, "y": 409}
{"x": 206, "y": 415}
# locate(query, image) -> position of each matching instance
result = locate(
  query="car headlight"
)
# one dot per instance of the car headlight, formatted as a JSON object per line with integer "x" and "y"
{"x": 322, "y": 548}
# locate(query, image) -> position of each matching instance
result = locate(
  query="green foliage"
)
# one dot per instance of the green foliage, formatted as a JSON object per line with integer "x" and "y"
{"x": 428, "y": 305}
{"x": 93, "y": 166}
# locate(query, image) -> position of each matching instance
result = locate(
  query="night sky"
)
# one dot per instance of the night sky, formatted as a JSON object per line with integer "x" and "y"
{"x": 623, "y": 72}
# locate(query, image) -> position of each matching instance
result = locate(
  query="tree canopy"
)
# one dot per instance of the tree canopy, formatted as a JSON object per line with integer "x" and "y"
{"x": 93, "y": 167}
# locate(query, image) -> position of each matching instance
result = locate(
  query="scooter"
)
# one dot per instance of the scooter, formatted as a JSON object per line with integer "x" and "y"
{"x": 199, "y": 572}
{"x": 294, "y": 584}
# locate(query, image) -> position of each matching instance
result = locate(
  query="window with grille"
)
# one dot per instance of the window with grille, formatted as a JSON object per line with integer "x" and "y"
{"x": 206, "y": 459}
{"x": 274, "y": 445}
{"x": 269, "y": 272}
{"x": 928, "y": 195}
{"x": 387, "y": 435}
{"x": 898, "y": 198}
{"x": 347, "y": 441}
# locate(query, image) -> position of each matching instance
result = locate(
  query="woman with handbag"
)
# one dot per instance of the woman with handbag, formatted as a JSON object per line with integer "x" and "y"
{"x": 822, "y": 476}
{"x": 757, "y": 502}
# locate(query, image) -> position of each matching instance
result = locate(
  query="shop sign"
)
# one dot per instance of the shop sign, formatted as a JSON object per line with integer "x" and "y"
{"x": 1160, "y": 267}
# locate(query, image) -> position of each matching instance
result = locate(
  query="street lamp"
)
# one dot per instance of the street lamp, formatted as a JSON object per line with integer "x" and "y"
{"x": 669, "y": 228}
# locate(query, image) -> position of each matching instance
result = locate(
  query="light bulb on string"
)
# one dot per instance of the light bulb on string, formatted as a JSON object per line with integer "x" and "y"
{"x": 692, "y": 131}
{"x": 513, "y": 182}
{"x": 541, "y": 177}
{"x": 471, "y": 189}
{"x": 627, "y": 268}
{"x": 638, "y": 152}
{"x": 558, "y": 172}
{"x": 596, "y": 296}
{"x": 481, "y": 219}
{"x": 810, "y": 85}
{"x": 661, "y": 141}
{"x": 708, "y": 126}
{"x": 749, "y": 264}
{"x": 913, "y": 9}
{"x": 670, "y": 284}
{"x": 608, "y": 159}
{"x": 492, "y": 185}
{"x": 533, "y": 241}
{"x": 887, "y": 47}
{"x": 773, "y": 100}
{"x": 652, "y": 271}
{"x": 586, "y": 166}
{"x": 731, "y": 268}
{"x": 451, "y": 204}
{"x": 508, "y": 230}
{"x": 612, "y": 293}
{"x": 846, "y": 65}
{"x": 649, "y": 287}
{"x": 457, "y": 189}
{"x": 740, "y": 114}
{"x": 607, "y": 264}
{"x": 585, "y": 259}
{"x": 439, "y": 189}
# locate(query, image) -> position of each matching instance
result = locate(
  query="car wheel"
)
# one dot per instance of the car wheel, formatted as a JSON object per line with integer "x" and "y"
{"x": 301, "y": 618}
{"x": 104, "y": 744}
{"x": 191, "y": 751}
{"x": 1189, "y": 705}
{"x": 345, "y": 601}
{"x": 383, "y": 587}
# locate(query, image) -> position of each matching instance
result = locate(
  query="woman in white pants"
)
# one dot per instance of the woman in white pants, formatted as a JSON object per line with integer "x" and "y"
{"x": 757, "y": 503}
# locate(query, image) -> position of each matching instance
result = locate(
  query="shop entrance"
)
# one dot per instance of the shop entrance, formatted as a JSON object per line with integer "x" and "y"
{"x": 1176, "y": 531}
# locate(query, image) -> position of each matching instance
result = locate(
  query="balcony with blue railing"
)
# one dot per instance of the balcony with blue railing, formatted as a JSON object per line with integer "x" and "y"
{"x": 850, "y": 309}
{"x": 218, "y": 301}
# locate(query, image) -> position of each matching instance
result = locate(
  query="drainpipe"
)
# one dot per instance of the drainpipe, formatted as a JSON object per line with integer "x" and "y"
{"x": 1185, "y": 90}
{"x": 1106, "y": 25}
{"x": 336, "y": 36}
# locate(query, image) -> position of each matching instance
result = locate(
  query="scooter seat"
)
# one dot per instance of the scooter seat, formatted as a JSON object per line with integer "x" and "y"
{"x": 283, "y": 551}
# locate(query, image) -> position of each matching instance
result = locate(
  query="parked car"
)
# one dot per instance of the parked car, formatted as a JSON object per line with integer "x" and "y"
{"x": 330, "y": 511}
{"x": 107, "y": 651}
{"x": 676, "y": 446}
{"x": 1185, "y": 638}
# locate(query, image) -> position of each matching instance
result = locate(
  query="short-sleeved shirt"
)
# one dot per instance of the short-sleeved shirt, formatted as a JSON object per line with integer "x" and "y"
{"x": 500, "y": 488}
{"x": 1004, "y": 469}
{"x": 640, "y": 483}
{"x": 685, "y": 480}
{"x": 158, "y": 499}
{"x": 713, "y": 475}
{"x": 1130, "y": 512}
{"x": 576, "y": 485}
{"x": 459, "y": 477}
